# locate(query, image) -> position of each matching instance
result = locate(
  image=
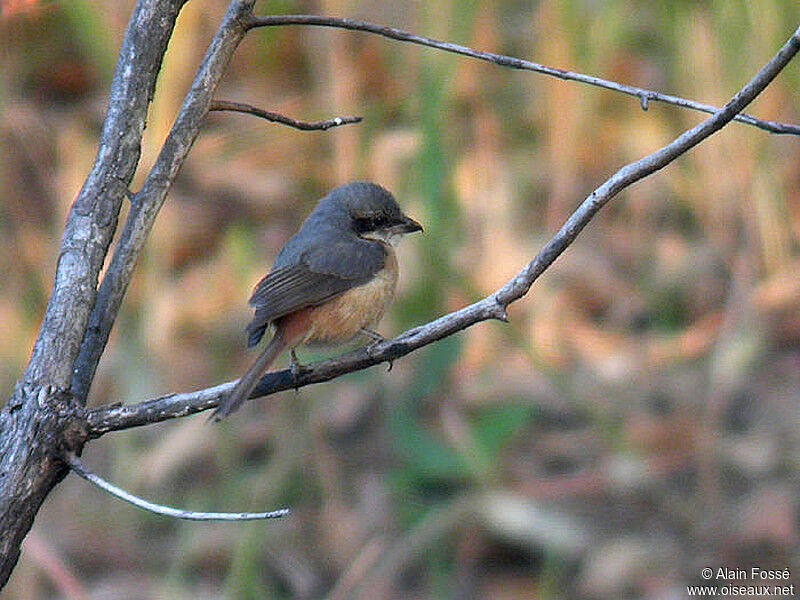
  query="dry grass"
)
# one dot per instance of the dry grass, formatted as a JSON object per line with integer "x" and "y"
{"x": 635, "y": 422}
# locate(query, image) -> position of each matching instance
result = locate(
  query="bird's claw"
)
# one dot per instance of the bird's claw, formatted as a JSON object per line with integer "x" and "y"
{"x": 376, "y": 338}
{"x": 296, "y": 369}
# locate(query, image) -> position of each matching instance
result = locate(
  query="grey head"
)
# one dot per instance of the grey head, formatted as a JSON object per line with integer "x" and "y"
{"x": 367, "y": 210}
{"x": 355, "y": 210}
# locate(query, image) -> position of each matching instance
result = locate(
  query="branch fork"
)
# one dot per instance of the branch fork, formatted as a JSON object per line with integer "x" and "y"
{"x": 80, "y": 313}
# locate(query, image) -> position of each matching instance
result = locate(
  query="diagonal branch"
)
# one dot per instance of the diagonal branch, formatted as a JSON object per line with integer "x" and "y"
{"x": 283, "y": 119}
{"x": 93, "y": 216}
{"x": 148, "y": 201}
{"x": 644, "y": 96}
{"x": 41, "y": 416}
{"x": 103, "y": 420}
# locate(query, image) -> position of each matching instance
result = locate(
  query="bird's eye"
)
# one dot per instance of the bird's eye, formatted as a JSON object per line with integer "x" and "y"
{"x": 370, "y": 223}
{"x": 364, "y": 224}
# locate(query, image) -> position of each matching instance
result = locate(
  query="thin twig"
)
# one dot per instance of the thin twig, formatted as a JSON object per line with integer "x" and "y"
{"x": 283, "y": 119}
{"x": 77, "y": 466}
{"x": 644, "y": 96}
{"x": 105, "y": 419}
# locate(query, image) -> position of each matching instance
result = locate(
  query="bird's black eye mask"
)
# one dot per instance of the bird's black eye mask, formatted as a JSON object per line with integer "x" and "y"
{"x": 370, "y": 223}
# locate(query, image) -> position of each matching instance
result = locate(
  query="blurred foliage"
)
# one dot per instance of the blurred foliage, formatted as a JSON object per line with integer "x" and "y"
{"x": 636, "y": 421}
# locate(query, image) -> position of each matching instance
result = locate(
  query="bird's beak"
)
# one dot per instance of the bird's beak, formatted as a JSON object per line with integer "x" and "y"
{"x": 407, "y": 225}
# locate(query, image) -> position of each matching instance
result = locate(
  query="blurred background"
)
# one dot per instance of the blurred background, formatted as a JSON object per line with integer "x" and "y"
{"x": 635, "y": 422}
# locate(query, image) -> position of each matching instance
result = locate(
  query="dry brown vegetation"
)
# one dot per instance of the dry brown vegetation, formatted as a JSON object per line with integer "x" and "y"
{"x": 636, "y": 421}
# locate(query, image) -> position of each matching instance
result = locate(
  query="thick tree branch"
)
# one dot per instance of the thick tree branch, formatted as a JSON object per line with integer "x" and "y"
{"x": 188, "y": 515}
{"x": 93, "y": 217}
{"x": 41, "y": 417}
{"x": 644, "y": 96}
{"x": 103, "y": 420}
{"x": 282, "y": 119}
{"x": 45, "y": 420}
{"x": 148, "y": 201}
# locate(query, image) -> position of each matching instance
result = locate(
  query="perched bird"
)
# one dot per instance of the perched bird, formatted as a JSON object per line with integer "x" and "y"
{"x": 331, "y": 282}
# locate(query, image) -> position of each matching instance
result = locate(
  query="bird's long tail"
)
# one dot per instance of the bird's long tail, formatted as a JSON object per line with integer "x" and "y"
{"x": 245, "y": 385}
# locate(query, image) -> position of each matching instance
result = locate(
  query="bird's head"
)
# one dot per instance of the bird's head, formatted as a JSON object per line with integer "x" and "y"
{"x": 373, "y": 212}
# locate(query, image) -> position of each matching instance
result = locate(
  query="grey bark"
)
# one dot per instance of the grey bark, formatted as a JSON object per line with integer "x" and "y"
{"x": 45, "y": 418}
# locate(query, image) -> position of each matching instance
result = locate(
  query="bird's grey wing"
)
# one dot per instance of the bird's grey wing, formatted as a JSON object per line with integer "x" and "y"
{"x": 319, "y": 275}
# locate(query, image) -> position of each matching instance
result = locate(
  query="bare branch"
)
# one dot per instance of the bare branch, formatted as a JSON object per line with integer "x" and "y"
{"x": 146, "y": 204}
{"x": 103, "y": 420}
{"x": 283, "y": 119}
{"x": 93, "y": 216}
{"x": 644, "y": 96}
{"x": 77, "y": 466}
{"x": 633, "y": 172}
{"x": 41, "y": 416}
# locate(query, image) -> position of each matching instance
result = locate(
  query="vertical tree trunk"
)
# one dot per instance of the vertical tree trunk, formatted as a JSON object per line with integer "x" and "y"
{"x": 42, "y": 419}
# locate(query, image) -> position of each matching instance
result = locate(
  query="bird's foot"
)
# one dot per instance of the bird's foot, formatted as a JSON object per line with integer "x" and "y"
{"x": 375, "y": 339}
{"x": 297, "y": 369}
{"x": 374, "y": 336}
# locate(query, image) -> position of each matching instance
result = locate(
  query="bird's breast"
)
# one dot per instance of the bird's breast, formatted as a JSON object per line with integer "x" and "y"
{"x": 342, "y": 318}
